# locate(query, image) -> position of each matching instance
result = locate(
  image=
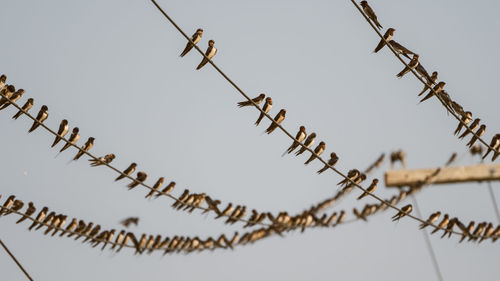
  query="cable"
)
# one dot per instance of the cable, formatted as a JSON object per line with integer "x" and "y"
{"x": 16, "y": 261}
{"x": 494, "y": 201}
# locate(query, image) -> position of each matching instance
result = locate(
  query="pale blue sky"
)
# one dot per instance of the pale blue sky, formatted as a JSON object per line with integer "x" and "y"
{"x": 112, "y": 68}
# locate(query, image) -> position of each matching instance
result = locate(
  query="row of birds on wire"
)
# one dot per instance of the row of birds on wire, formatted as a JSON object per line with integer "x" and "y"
{"x": 438, "y": 89}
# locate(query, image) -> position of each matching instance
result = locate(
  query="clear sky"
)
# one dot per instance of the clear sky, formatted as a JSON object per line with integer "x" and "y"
{"x": 112, "y": 68}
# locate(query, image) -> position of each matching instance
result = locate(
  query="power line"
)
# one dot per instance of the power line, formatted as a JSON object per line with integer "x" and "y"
{"x": 15, "y": 260}
{"x": 494, "y": 201}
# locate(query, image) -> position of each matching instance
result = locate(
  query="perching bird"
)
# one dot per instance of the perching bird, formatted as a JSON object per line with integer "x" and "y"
{"x": 411, "y": 65}
{"x": 333, "y": 160}
{"x": 195, "y": 38}
{"x": 63, "y": 130}
{"x": 26, "y": 107}
{"x": 301, "y": 135}
{"x": 431, "y": 220}
{"x": 421, "y": 70}
{"x": 266, "y": 107}
{"x": 431, "y": 82}
{"x": 7, "y": 94}
{"x": 73, "y": 138}
{"x": 449, "y": 227}
{"x": 16, "y": 206}
{"x": 442, "y": 224}
{"x": 226, "y": 211}
{"x": 495, "y": 144}
{"x": 210, "y": 53}
{"x": 278, "y": 119}
{"x": 307, "y": 143}
{"x": 351, "y": 175}
{"x": 472, "y": 127}
{"x": 127, "y": 172}
{"x": 3, "y": 79}
{"x": 370, "y": 189}
{"x": 436, "y": 90}
{"x": 257, "y": 100}
{"x": 452, "y": 159}
{"x": 404, "y": 211}
{"x": 467, "y": 232}
{"x": 14, "y": 98}
{"x": 7, "y": 204}
{"x": 466, "y": 119}
{"x": 487, "y": 232}
{"x": 41, "y": 215}
{"x": 156, "y": 186}
{"x": 479, "y": 229}
{"x": 387, "y": 36}
{"x": 317, "y": 152}
{"x": 400, "y": 49}
{"x": 370, "y": 13}
{"x": 42, "y": 116}
{"x": 29, "y": 211}
{"x": 106, "y": 159}
{"x": 477, "y": 135}
{"x": 141, "y": 177}
{"x": 85, "y": 148}
{"x": 130, "y": 220}
{"x": 169, "y": 188}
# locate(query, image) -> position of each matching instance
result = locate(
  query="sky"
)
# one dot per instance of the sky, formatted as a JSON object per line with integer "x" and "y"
{"x": 113, "y": 69}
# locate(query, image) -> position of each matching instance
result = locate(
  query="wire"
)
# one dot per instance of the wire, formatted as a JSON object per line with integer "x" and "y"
{"x": 15, "y": 260}
{"x": 494, "y": 201}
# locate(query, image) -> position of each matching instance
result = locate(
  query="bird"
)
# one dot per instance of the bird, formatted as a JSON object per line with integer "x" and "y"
{"x": 195, "y": 38}
{"x": 130, "y": 220}
{"x": 141, "y": 176}
{"x": 169, "y": 188}
{"x": 156, "y": 186}
{"x": 210, "y": 53}
{"x": 299, "y": 137}
{"x": 477, "y": 135}
{"x": 307, "y": 143}
{"x": 61, "y": 132}
{"x": 7, "y": 204}
{"x": 266, "y": 107}
{"x": 317, "y": 152}
{"x": 452, "y": 159}
{"x": 404, "y": 211}
{"x": 7, "y": 93}
{"x": 16, "y": 206}
{"x": 495, "y": 144}
{"x": 42, "y": 116}
{"x": 431, "y": 82}
{"x": 41, "y": 215}
{"x": 411, "y": 65}
{"x": 442, "y": 224}
{"x": 467, "y": 231}
{"x": 487, "y": 232}
{"x": 465, "y": 119}
{"x": 85, "y": 148}
{"x": 26, "y": 107}
{"x": 226, "y": 211}
{"x": 15, "y": 97}
{"x": 370, "y": 13}
{"x": 480, "y": 227}
{"x": 436, "y": 90}
{"x": 3, "y": 78}
{"x": 70, "y": 227}
{"x": 181, "y": 199}
{"x": 127, "y": 172}
{"x": 400, "y": 49}
{"x": 73, "y": 138}
{"x": 387, "y": 36}
{"x": 421, "y": 70}
{"x": 331, "y": 162}
{"x": 29, "y": 211}
{"x": 106, "y": 159}
{"x": 431, "y": 220}
{"x": 257, "y": 100}
{"x": 471, "y": 128}
{"x": 370, "y": 189}
{"x": 449, "y": 227}
{"x": 278, "y": 119}
{"x": 351, "y": 175}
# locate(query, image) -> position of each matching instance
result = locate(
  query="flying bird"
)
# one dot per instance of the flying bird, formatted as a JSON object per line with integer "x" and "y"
{"x": 370, "y": 13}
{"x": 317, "y": 152}
{"x": 266, "y": 107}
{"x": 61, "y": 132}
{"x": 130, "y": 220}
{"x": 387, "y": 36}
{"x": 73, "y": 138}
{"x": 127, "y": 172}
{"x": 26, "y": 107}
{"x": 332, "y": 161}
{"x": 278, "y": 119}
{"x": 85, "y": 148}
{"x": 42, "y": 116}
{"x": 210, "y": 53}
{"x": 195, "y": 38}
{"x": 257, "y": 100}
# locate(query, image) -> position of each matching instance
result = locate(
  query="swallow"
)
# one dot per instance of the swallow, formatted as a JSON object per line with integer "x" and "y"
{"x": 3, "y": 79}
{"x": 48, "y": 220}
{"x": 449, "y": 227}
{"x": 436, "y": 90}
{"x": 331, "y": 162}
{"x": 195, "y": 38}
{"x": 278, "y": 119}
{"x": 317, "y": 152}
{"x": 477, "y": 135}
{"x": 496, "y": 234}
{"x": 307, "y": 144}
{"x": 73, "y": 138}
{"x": 169, "y": 188}
{"x": 92, "y": 233}
{"x": 60, "y": 224}
{"x": 370, "y": 13}
{"x": 15, "y": 97}
{"x": 488, "y": 231}
{"x": 387, "y": 36}
{"x": 181, "y": 199}
{"x": 156, "y": 186}
{"x": 29, "y": 211}
{"x": 7, "y": 204}
{"x": 85, "y": 148}
{"x": 431, "y": 81}
{"x": 226, "y": 211}
{"x": 106, "y": 159}
{"x": 256, "y": 100}
{"x": 494, "y": 144}
{"x": 472, "y": 127}
{"x": 41, "y": 215}
{"x": 496, "y": 154}
{"x": 404, "y": 211}
{"x": 70, "y": 227}
{"x": 61, "y": 132}
{"x": 52, "y": 224}
{"x": 400, "y": 49}
{"x": 299, "y": 137}
{"x": 431, "y": 220}
{"x": 27, "y": 106}
{"x": 212, "y": 205}
{"x": 358, "y": 215}
{"x": 452, "y": 159}
{"x": 118, "y": 239}
{"x": 266, "y": 107}
{"x": 42, "y": 116}
{"x": 465, "y": 119}
{"x": 356, "y": 181}
{"x": 423, "y": 72}
{"x": 475, "y": 235}
{"x": 7, "y": 93}
{"x": 79, "y": 228}
{"x": 127, "y": 172}
{"x": 442, "y": 224}
{"x": 141, "y": 177}
{"x": 351, "y": 175}
{"x": 85, "y": 232}
{"x": 411, "y": 65}
{"x": 341, "y": 217}
{"x": 210, "y": 53}
{"x": 125, "y": 240}
{"x": 370, "y": 189}
{"x": 16, "y": 206}
{"x": 130, "y": 220}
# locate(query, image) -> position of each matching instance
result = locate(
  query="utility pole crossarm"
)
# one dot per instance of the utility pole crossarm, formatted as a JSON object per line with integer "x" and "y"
{"x": 475, "y": 173}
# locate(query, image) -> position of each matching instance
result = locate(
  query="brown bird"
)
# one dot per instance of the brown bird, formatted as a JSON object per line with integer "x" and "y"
{"x": 278, "y": 119}
{"x": 431, "y": 82}
{"x": 41, "y": 215}
{"x": 404, "y": 211}
{"x": 452, "y": 159}
{"x": 256, "y": 100}
{"x": 317, "y": 152}
{"x": 130, "y": 220}
{"x": 26, "y": 107}
{"x": 29, "y": 211}
{"x": 431, "y": 220}
{"x": 495, "y": 144}
{"x": 157, "y": 185}
{"x": 181, "y": 199}
{"x": 351, "y": 175}
{"x": 370, "y": 189}
{"x": 106, "y": 159}
{"x": 7, "y": 204}
{"x": 169, "y": 188}
{"x": 16, "y": 206}
{"x": 370, "y": 13}
{"x": 449, "y": 227}
{"x": 63, "y": 130}
{"x": 442, "y": 224}
{"x": 471, "y": 128}
{"x": 477, "y": 232}
{"x": 195, "y": 38}
{"x": 301, "y": 135}
{"x": 488, "y": 231}
{"x": 3, "y": 78}
{"x": 42, "y": 116}
{"x": 477, "y": 135}
{"x": 141, "y": 177}
{"x": 387, "y": 36}
{"x": 85, "y": 148}
{"x": 72, "y": 139}
{"x": 466, "y": 119}
{"x": 14, "y": 98}
{"x": 437, "y": 89}
{"x": 210, "y": 53}
{"x": 333, "y": 160}
{"x": 400, "y": 49}
{"x": 127, "y": 172}
{"x": 226, "y": 211}
{"x": 411, "y": 65}
{"x": 307, "y": 143}
{"x": 266, "y": 107}
{"x": 70, "y": 227}
{"x": 7, "y": 93}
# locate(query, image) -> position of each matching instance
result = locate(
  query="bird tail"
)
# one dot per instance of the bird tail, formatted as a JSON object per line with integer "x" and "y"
{"x": 259, "y": 119}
